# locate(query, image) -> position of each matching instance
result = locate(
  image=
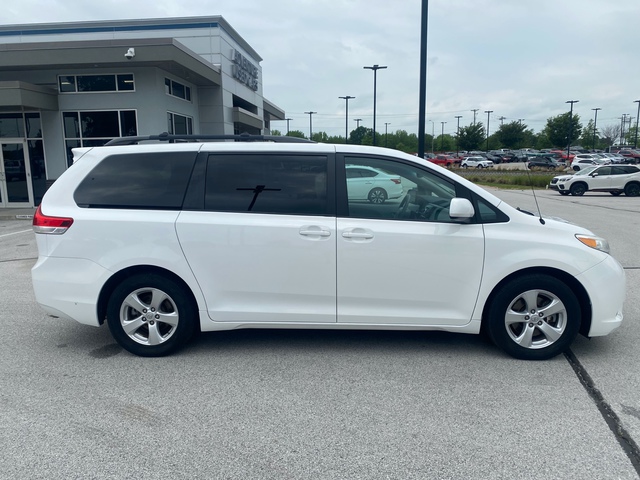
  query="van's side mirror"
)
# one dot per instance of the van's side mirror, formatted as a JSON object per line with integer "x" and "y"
{"x": 461, "y": 208}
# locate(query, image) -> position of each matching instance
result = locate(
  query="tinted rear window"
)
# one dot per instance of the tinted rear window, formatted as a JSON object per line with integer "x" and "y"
{"x": 145, "y": 180}
{"x": 274, "y": 183}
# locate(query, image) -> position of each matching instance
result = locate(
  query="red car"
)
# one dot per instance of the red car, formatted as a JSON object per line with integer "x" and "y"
{"x": 444, "y": 160}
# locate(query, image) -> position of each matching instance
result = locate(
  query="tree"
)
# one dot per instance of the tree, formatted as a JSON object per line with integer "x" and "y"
{"x": 511, "y": 135}
{"x": 588, "y": 140}
{"x": 561, "y": 127}
{"x": 471, "y": 137}
{"x": 356, "y": 136}
{"x": 610, "y": 134}
{"x": 276, "y": 133}
{"x": 296, "y": 133}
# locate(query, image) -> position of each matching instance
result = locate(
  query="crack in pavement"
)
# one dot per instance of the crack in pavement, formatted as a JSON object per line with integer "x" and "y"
{"x": 626, "y": 441}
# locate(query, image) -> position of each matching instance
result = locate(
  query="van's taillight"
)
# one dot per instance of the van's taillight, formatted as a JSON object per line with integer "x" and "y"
{"x": 51, "y": 225}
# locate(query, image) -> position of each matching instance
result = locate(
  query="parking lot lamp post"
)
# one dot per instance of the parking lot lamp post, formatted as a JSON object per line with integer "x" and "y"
{"x": 310, "y": 123}
{"x": 635, "y": 143}
{"x": 432, "y": 135}
{"x": 357, "y": 120}
{"x": 442, "y": 138}
{"x": 570, "y": 126}
{"x": 458, "y": 136}
{"x": 488, "y": 112}
{"x": 346, "y": 122}
{"x": 288, "y": 120}
{"x": 385, "y": 132}
{"x": 595, "y": 122}
{"x": 375, "y": 69}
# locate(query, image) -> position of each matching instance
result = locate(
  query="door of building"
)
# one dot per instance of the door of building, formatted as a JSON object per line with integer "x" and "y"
{"x": 15, "y": 175}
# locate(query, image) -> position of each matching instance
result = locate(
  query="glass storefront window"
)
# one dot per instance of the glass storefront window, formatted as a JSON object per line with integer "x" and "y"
{"x": 11, "y": 125}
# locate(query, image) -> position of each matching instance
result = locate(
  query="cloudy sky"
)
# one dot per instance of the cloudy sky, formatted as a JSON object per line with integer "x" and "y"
{"x": 523, "y": 59}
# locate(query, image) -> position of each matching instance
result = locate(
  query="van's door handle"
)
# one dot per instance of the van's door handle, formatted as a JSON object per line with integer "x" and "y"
{"x": 360, "y": 235}
{"x": 312, "y": 231}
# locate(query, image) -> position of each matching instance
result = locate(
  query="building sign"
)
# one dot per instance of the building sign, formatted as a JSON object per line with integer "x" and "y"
{"x": 244, "y": 71}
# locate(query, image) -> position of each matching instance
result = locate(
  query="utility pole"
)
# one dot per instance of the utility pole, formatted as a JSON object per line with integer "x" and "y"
{"x": 502, "y": 119}
{"x": 458, "y": 136}
{"x": 595, "y": 122}
{"x": 310, "y": 123}
{"x": 488, "y": 112}
{"x": 288, "y": 120}
{"x": 474, "y": 114}
{"x": 346, "y": 123}
{"x": 357, "y": 120}
{"x": 442, "y": 137}
{"x": 385, "y": 132}
{"x": 635, "y": 143}
{"x": 432, "y": 136}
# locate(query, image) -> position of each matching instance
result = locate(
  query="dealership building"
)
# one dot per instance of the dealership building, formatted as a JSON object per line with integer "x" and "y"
{"x": 66, "y": 85}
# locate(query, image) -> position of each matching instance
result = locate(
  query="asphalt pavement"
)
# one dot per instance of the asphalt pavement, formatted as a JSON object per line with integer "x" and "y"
{"x": 307, "y": 404}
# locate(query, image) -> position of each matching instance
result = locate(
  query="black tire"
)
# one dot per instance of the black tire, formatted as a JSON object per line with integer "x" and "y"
{"x": 578, "y": 189}
{"x": 632, "y": 189}
{"x": 563, "y": 192}
{"x": 465, "y": 166}
{"x": 377, "y": 195}
{"x": 615, "y": 193}
{"x": 520, "y": 328}
{"x": 160, "y": 313}
{"x": 480, "y": 166}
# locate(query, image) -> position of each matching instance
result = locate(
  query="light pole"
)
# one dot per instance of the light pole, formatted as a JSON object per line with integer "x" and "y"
{"x": 488, "y": 112}
{"x": 635, "y": 143}
{"x": 502, "y": 119}
{"x": 357, "y": 120}
{"x": 458, "y": 136}
{"x": 595, "y": 122}
{"x": 475, "y": 110}
{"x": 422, "y": 114}
{"x": 432, "y": 135}
{"x": 310, "y": 123}
{"x": 375, "y": 69}
{"x": 570, "y": 126}
{"x": 385, "y": 132}
{"x": 346, "y": 123}
{"x": 442, "y": 138}
{"x": 288, "y": 120}
{"x": 622, "y": 124}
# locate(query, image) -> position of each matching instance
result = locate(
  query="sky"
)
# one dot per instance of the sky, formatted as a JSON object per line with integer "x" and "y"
{"x": 522, "y": 59}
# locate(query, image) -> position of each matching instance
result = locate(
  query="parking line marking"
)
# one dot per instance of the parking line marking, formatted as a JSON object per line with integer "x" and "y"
{"x": 16, "y": 233}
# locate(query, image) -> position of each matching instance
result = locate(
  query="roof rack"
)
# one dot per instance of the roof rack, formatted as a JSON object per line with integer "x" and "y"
{"x": 166, "y": 137}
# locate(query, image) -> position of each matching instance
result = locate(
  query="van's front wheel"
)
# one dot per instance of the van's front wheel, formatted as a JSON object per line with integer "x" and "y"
{"x": 534, "y": 317}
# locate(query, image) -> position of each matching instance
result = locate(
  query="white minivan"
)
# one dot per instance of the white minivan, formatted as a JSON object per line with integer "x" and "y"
{"x": 162, "y": 239}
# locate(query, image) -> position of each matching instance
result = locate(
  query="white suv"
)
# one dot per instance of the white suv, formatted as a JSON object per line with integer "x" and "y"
{"x": 161, "y": 240}
{"x": 614, "y": 179}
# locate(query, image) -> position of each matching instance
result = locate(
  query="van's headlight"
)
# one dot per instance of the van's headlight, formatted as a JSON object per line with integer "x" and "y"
{"x": 594, "y": 242}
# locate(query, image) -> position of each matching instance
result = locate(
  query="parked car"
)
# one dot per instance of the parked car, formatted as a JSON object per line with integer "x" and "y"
{"x": 367, "y": 183}
{"x": 476, "y": 162}
{"x": 266, "y": 233}
{"x": 582, "y": 160}
{"x": 544, "y": 162}
{"x": 632, "y": 155}
{"x": 614, "y": 179}
{"x": 444, "y": 160}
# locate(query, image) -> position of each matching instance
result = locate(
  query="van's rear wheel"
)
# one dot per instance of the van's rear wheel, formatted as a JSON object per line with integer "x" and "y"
{"x": 534, "y": 317}
{"x": 151, "y": 315}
